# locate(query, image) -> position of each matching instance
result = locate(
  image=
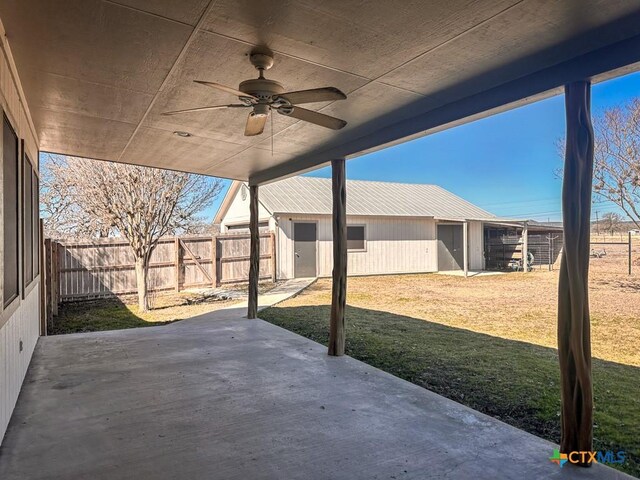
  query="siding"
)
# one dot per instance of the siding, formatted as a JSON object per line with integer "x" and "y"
{"x": 238, "y": 211}
{"x": 22, "y": 325}
{"x": 476, "y": 246}
{"x": 393, "y": 245}
{"x": 20, "y": 321}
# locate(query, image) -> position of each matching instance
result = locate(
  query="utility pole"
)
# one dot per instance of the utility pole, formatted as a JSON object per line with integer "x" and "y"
{"x": 597, "y": 225}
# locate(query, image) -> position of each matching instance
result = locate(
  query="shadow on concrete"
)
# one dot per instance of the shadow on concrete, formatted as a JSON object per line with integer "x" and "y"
{"x": 514, "y": 381}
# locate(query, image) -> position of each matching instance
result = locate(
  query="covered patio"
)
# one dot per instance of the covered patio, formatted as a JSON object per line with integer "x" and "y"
{"x": 223, "y": 396}
{"x": 220, "y": 396}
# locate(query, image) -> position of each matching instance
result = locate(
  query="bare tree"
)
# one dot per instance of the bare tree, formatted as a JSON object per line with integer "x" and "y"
{"x": 83, "y": 197}
{"x": 611, "y": 222}
{"x": 617, "y": 158}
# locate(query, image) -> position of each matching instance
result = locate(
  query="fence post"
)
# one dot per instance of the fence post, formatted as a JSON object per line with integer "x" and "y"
{"x": 629, "y": 253}
{"x": 55, "y": 279}
{"x": 214, "y": 261}
{"x": 177, "y": 262}
{"x": 48, "y": 312}
{"x": 43, "y": 289}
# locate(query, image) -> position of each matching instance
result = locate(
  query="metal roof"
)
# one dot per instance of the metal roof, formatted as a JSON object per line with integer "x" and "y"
{"x": 311, "y": 195}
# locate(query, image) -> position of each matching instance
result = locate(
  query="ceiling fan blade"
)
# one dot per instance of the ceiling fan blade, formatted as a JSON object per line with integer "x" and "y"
{"x": 313, "y": 117}
{"x": 255, "y": 124}
{"x": 313, "y": 95}
{"x": 224, "y": 88}
{"x": 204, "y": 109}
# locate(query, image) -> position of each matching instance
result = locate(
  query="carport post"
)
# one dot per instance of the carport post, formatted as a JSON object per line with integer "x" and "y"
{"x": 574, "y": 337}
{"x": 339, "y": 288}
{"x": 254, "y": 253}
{"x": 525, "y": 246}
{"x": 465, "y": 247}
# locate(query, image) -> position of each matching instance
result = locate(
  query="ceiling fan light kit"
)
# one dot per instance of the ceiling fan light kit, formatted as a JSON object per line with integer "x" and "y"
{"x": 263, "y": 95}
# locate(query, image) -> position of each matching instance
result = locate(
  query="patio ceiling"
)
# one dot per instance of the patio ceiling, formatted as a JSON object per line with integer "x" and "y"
{"x": 97, "y": 73}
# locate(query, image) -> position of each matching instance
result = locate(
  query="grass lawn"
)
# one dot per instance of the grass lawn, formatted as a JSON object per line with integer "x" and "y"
{"x": 116, "y": 314}
{"x": 489, "y": 343}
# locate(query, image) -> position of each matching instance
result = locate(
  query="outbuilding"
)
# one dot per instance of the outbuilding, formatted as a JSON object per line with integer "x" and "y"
{"x": 391, "y": 227}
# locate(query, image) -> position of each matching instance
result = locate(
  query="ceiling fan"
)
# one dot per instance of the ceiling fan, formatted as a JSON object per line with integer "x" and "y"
{"x": 262, "y": 95}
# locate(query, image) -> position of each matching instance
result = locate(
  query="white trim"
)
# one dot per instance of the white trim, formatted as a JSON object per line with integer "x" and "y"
{"x": 357, "y": 250}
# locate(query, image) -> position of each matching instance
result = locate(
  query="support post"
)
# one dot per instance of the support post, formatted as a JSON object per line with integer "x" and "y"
{"x": 465, "y": 248}
{"x": 339, "y": 287}
{"x": 525, "y": 246}
{"x": 574, "y": 337}
{"x": 254, "y": 254}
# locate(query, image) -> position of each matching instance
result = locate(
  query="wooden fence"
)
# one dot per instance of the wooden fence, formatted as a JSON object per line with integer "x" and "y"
{"x": 103, "y": 268}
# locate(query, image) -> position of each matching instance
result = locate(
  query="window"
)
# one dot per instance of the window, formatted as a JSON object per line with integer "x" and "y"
{"x": 355, "y": 237}
{"x": 244, "y": 228}
{"x": 30, "y": 223}
{"x": 10, "y": 211}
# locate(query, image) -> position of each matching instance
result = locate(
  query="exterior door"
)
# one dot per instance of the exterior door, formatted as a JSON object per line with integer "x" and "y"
{"x": 450, "y": 248}
{"x": 304, "y": 245}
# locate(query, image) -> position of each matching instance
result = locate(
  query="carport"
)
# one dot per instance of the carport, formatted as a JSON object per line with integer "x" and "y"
{"x": 93, "y": 77}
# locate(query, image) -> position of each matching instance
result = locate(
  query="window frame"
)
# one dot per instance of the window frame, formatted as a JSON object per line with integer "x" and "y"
{"x": 34, "y": 215}
{"x": 26, "y": 235}
{"x": 364, "y": 237}
{"x": 37, "y": 246}
{"x": 8, "y": 303}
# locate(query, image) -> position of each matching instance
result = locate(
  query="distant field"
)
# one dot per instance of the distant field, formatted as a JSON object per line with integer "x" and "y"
{"x": 490, "y": 342}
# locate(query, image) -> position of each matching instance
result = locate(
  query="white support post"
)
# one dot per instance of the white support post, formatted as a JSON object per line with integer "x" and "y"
{"x": 525, "y": 246}
{"x": 465, "y": 247}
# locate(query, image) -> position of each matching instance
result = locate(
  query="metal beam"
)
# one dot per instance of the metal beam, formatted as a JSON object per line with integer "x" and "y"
{"x": 574, "y": 337}
{"x": 339, "y": 288}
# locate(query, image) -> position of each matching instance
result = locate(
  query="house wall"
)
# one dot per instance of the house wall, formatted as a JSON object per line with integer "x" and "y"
{"x": 392, "y": 245}
{"x": 19, "y": 320}
{"x": 475, "y": 235}
{"x": 238, "y": 212}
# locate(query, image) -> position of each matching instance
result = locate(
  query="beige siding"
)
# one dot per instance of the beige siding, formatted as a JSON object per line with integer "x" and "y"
{"x": 23, "y": 326}
{"x": 393, "y": 245}
{"x": 476, "y": 246}
{"x": 238, "y": 211}
{"x": 19, "y": 322}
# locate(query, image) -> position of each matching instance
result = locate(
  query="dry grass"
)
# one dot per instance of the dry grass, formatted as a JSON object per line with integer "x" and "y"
{"x": 513, "y": 306}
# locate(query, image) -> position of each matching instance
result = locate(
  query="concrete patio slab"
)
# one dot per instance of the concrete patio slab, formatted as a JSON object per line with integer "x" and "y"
{"x": 222, "y": 397}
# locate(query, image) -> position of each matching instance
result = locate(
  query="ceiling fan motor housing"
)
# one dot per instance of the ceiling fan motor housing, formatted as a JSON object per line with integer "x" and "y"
{"x": 261, "y": 88}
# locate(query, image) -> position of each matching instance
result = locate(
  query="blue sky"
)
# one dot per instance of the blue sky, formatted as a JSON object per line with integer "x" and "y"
{"x": 504, "y": 163}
